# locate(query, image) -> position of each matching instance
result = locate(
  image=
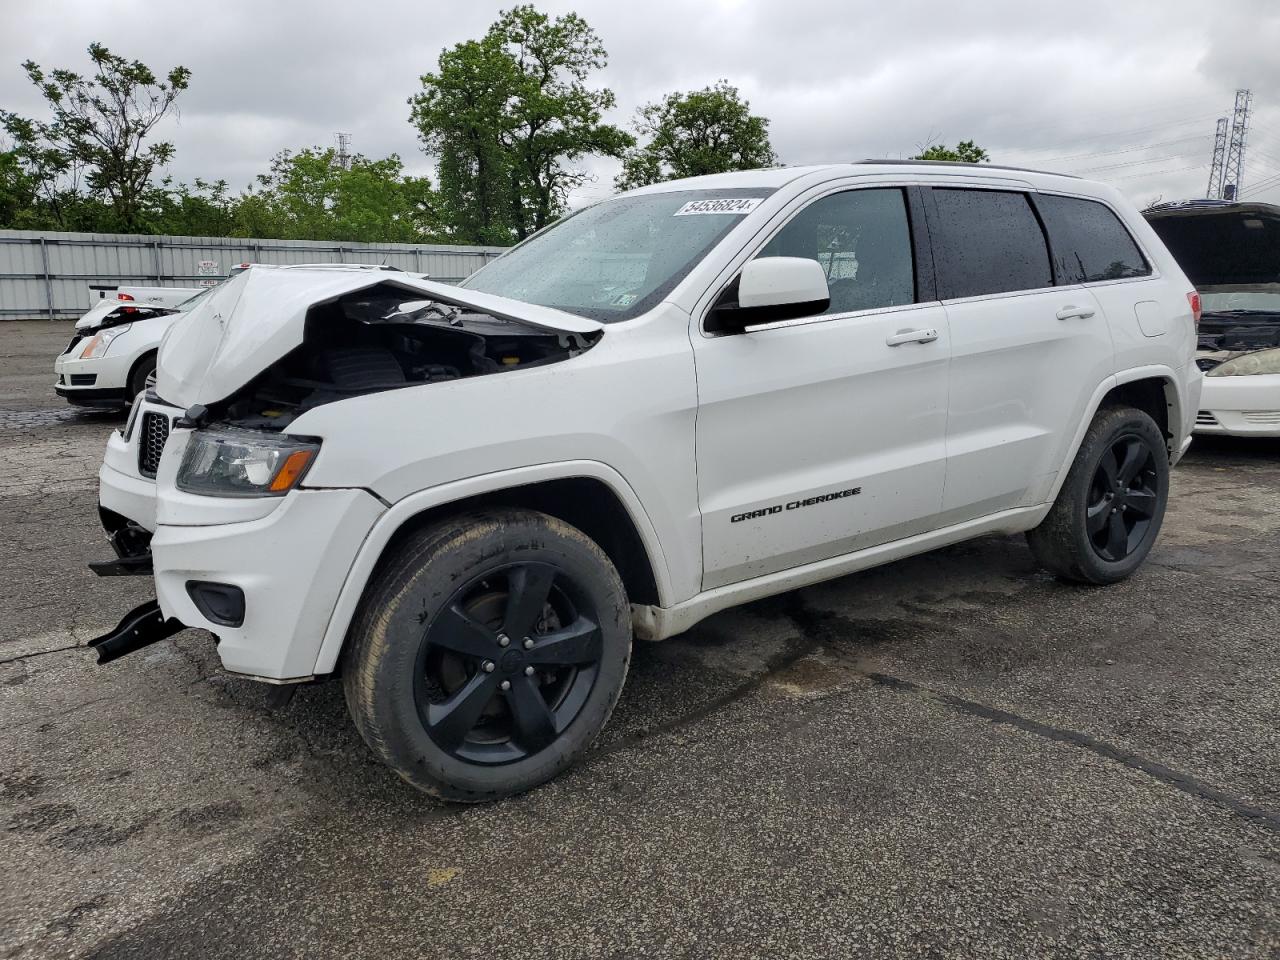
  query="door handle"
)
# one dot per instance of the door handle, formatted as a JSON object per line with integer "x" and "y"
{"x": 1075, "y": 313}
{"x": 913, "y": 336}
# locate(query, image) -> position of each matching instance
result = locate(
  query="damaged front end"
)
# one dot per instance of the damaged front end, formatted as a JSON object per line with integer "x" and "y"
{"x": 376, "y": 340}
{"x": 259, "y": 352}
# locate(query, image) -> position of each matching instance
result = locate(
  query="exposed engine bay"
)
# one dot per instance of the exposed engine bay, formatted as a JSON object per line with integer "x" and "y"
{"x": 374, "y": 340}
{"x": 1225, "y": 336}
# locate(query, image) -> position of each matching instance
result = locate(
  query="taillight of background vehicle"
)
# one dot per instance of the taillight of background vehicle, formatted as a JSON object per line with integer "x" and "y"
{"x": 124, "y": 296}
{"x": 1193, "y": 298}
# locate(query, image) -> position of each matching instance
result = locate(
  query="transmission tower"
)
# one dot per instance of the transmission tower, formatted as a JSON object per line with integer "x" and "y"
{"x": 343, "y": 156}
{"x": 1219, "y": 158}
{"x": 1233, "y": 170}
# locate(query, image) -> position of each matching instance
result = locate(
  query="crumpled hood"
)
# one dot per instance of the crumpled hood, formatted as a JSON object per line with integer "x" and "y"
{"x": 254, "y": 319}
{"x": 103, "y": 310}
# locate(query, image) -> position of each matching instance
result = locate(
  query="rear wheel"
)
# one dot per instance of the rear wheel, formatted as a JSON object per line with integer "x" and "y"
{"x": 489, "y": 654}
{"x": 1112, "y": 503}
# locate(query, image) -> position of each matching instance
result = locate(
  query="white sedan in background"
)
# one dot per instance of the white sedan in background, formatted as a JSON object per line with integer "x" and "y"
{"x": 1231, "y": 252}
{"x": 113, "y": 351}
{"x": 114, "y": 348}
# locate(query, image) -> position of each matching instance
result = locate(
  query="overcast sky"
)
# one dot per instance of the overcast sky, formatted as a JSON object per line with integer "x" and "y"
{"x": 1119, "y": 90}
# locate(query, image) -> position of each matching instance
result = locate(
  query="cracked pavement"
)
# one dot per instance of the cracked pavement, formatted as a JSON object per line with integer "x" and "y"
{"x": 951, "y": 756}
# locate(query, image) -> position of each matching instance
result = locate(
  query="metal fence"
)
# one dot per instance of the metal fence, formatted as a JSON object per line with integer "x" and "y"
{"x": 50, "y": 275}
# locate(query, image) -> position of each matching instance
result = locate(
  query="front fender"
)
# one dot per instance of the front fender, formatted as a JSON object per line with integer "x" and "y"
{"x": 406, "y": 509}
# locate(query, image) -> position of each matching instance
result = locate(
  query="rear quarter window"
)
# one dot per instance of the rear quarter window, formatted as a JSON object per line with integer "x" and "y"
{"x": 987, "y": 241}
{"x": 1089, "y": 241}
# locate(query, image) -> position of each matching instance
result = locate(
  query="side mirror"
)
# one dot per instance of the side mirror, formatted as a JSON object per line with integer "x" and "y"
{"x": 771, "y": 289}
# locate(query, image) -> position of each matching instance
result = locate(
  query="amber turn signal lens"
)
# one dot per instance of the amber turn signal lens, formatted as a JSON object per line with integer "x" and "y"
{"x": 294, "y": 466}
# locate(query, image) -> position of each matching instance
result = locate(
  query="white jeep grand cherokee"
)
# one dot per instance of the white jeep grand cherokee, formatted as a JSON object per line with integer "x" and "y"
{"x": 466, "y": 499}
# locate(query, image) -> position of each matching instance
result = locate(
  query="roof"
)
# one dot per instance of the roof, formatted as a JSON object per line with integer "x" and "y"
{"x": 772, "y": 178}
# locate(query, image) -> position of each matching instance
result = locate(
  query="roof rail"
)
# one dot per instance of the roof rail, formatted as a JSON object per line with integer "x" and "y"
{"x": 980, "y": 166}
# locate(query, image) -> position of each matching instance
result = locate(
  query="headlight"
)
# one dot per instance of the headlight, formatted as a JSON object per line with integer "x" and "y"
{"x": 244, "y": 463}
{"x": 1248, "y": 365}
{"x": 102, "y": 340}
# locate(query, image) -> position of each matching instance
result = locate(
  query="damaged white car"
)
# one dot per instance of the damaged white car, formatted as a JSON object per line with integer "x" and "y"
{"x": 465, "y": 500}
{"x": 1231, "y": 252}
{"x": 113, "y": 350}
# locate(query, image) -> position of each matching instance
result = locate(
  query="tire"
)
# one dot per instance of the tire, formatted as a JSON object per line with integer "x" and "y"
{"x": 1110, "y": 508}
{"x": 145, "y": 366}
{"x": 415, "y": 673}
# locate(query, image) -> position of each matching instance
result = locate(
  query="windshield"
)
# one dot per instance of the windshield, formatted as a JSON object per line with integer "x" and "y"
{"x": 614, "y": 260}
{"x": 191, "y": 300}
{"x": 1245, "y": 301}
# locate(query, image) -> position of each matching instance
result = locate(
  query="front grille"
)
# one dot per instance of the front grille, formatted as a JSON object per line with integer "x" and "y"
{"x": 151, "y": 439}
{"x": 1206, "y": 419}
{"x": 1264, "y": 417}
{"x": 83, "y": 379}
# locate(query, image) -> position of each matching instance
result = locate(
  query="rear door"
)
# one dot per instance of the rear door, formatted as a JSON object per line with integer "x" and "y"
{"x": 1026, "y": 355}
{"x": 823, "y": 435}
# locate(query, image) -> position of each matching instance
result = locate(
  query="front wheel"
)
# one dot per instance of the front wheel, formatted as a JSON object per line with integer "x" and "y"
{"x": 489, "y": 654}
{"x": 138, "y": 377}
{"x": 1112, "y": 503}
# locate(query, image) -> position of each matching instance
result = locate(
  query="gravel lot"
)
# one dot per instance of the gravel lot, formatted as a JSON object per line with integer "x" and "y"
{"x": 952, "y": 756}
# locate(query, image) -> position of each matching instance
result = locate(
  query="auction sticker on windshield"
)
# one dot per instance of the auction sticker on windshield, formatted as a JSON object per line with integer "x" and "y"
{"x": 738, "y": 205}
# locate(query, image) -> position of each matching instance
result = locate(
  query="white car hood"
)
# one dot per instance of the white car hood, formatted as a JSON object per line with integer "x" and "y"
{"x": 100, "y": 311}
{"x": 255, "y": 318}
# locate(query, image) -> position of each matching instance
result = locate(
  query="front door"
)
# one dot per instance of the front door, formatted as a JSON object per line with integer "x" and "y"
{"x": 824, "y": 435}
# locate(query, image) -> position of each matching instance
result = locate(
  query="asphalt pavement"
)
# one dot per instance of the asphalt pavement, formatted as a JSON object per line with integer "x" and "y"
{"x": 950, "y": 756}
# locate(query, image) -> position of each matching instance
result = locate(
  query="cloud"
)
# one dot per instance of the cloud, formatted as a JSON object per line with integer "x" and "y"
{"x": 1121, "y": 91}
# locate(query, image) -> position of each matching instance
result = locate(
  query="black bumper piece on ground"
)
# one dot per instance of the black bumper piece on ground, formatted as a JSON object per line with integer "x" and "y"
{"x": 140, "y": 628}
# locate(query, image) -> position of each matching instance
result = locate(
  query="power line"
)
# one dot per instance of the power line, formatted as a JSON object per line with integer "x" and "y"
{"x": 1137, "y": 163}
{"x": 1145, "y": 146}
{"x": 1157, "y": 126}
{"x": 1105, "y": 117}
{"x": 1157, "y": 173}
{"x": 1265, "y": 184}
{"x": 1262, "y": 186}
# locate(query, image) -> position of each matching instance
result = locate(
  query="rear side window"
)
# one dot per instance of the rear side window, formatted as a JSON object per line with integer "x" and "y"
{"x": 863, "y": 242}
{"x": 987, "y": 241}
{"x": 1089, "y": 241}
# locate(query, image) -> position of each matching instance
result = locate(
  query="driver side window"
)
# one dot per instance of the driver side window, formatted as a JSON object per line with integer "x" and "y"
{"x": 862, "y": 240}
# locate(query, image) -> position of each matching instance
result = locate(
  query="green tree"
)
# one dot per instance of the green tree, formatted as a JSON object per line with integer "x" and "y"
{"x": 461, "y": 115}
{"x": 308, "y": 195}
{"x": 97, "y": 135}
{"x": 18, "y": 197}
{"x": 509, "y": 117}
{"x": 689, "y": 134}
{"x": 966, "y": 151}
{"x": 201, "y": 209}
{"x": 556, "y": 117}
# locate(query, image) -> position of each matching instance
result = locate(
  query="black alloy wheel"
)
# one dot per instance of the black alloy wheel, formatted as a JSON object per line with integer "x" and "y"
{"x": 488, "y": 653}
{"x": 507, "y": 664}
{"x": 1123, "y": 498}
{"x": 1109, "y": 509}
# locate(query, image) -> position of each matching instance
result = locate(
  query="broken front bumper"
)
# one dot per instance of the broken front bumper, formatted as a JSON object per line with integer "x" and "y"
{"x": 141, "y": 627}
{"x": 265, "y": 588}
